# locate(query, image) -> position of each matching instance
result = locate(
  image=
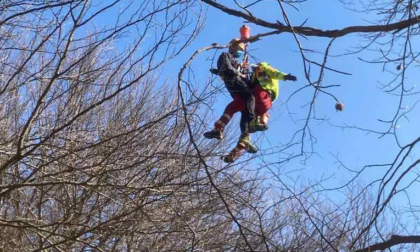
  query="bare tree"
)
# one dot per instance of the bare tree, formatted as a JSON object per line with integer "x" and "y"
{"x": 99, "y": 153}
{"x": 376, "y": 226}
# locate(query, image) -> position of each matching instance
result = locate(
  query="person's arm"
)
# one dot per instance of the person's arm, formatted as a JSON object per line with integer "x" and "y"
{"x": 272, "y": 72}
{"x": 227, "y": 66}
{"x": 276, "y": 74}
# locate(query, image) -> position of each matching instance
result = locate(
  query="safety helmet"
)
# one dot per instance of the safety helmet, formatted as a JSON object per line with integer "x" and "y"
{"x": 255, "y": 65}
{"x": 256, "y": 70}
{"x": 234, "y": 43}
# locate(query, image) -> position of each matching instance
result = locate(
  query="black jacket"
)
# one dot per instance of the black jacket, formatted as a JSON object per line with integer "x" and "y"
{"x": 226, "y": 65}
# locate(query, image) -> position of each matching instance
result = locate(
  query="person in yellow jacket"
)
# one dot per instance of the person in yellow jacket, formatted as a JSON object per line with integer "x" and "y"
{"x": 264, "y": 85}
{"x": 265, "y": 88}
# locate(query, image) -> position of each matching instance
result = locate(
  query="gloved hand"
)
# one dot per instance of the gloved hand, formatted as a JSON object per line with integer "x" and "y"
{"x": 214, "y": 71}
{"x": 243, "y": 76}
{"x": 290, "y": 77}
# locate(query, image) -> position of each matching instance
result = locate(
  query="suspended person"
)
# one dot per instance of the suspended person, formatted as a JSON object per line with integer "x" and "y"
{"x": 236, "y": 83}
{"x": 264, "y": 84}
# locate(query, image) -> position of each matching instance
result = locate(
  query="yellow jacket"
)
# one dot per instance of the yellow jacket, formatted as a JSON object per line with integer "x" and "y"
{"x": 268, "y": 77}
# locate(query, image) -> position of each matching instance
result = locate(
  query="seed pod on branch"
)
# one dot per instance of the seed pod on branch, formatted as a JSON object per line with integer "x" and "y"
{"x": 339, "y": 106}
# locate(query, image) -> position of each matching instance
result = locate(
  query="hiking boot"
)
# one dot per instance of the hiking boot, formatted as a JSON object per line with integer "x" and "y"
{"x": 215, "y": 133}
{"x": 228, "y": 159}
{"x": 245, "y": 141}
{"x": 232, "y": 156}
{"x": 255, "y": 126}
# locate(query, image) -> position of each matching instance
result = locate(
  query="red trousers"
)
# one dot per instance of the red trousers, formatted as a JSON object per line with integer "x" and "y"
{"x": 262, "y": 105}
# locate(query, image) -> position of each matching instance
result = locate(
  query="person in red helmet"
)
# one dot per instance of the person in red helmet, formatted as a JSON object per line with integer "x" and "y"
{"x": 265, "y": 88}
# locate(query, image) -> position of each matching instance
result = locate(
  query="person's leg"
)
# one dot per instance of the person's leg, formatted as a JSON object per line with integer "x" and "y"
{"x": 244, "y": 122}
{"x": 262, "y": 100}
{"x": 248, "y": 97}
{"x": 244, "y": 144}
{"x": 262, "y": 106}
{"x": 237, "y": 86}
{"x": 245, "y": 138}
{"x": 236, "y": 105}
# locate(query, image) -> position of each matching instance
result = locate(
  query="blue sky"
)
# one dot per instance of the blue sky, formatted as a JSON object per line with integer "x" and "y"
{"x": 364, "y": 102}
